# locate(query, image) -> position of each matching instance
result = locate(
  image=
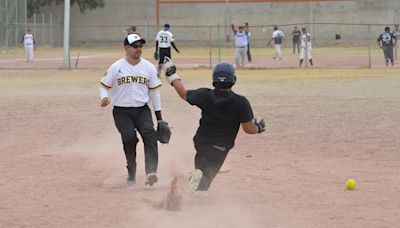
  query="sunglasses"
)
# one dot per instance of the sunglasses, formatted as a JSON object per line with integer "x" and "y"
{"x": 137, "y": 46}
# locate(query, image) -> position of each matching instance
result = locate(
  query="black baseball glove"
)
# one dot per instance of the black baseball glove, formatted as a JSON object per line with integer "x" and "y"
{"x": 156, "y": 56}
{"x": 163, "y": 132}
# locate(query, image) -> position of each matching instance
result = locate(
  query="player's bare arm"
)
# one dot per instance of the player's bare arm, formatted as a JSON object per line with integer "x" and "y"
{"x": 173, "y": 45}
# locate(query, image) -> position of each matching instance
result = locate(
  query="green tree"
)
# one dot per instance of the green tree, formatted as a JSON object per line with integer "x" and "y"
{"x": 35, "y": 5}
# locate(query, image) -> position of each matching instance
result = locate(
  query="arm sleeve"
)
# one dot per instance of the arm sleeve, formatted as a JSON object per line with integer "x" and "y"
{"x": 154, "y": 81}
{"x": 106, "y": 81}
{"x": 245, "y": 112}
{"x": 155, "y": 100}
{"x": 172, "y": 38}
{"x": 103, "y": 92}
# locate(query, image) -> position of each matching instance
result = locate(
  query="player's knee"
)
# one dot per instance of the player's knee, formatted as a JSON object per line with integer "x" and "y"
{"x": 129, "y": 138}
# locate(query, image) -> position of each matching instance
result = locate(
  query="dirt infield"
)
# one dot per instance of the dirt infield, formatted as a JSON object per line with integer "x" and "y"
{"x": 62, "y": 162}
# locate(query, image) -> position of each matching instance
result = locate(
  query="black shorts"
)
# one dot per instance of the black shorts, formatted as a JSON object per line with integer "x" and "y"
{"x": 164, "y": 52}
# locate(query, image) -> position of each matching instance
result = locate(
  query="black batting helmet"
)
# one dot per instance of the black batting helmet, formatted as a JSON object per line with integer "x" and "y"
{"x": 387, "y": 29}
{"x": 224, "y": 76}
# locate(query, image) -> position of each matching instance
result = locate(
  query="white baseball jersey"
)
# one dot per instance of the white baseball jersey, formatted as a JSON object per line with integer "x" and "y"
{"x": 306, "y": 38}
{"x": 278, "y": 36}
{"x": 130, "y": 84}
{"x": 164, "y": 39}
{"x": 28, "y": 39}
{"x": 397, "y": 34}
{"x": 241, "y": 39}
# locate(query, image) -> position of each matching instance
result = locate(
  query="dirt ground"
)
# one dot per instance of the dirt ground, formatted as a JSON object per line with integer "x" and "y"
{"x": 62, "y": 161}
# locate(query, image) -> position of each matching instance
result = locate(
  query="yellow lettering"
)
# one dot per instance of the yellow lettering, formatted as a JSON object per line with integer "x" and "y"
{"x": 127, "y": 79}
{"x": 140, "y": 80}
{"x": 123, "y": 80}
{"x": 134, "y": 79}
{"x": 119, "y": 81}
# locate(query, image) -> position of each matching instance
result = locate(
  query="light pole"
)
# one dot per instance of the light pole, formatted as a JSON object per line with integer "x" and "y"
{"x": 67, "y": 62}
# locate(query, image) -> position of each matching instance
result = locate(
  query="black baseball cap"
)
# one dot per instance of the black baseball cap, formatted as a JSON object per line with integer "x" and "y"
{"x": 133, "y": 38}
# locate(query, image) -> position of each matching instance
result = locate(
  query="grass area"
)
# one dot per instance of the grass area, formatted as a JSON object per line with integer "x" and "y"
{"x": 32, "y": 77}
{"x": 116, "y": 50}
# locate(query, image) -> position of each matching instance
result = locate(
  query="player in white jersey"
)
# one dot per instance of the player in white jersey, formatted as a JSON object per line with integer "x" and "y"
{"x": 132, "y": 82}
{"x": 305, "y": 47}
{"x": 29, "y": 43}
{"x": 279, "y": 39}
{"x": 396, "y": 33}
{"x": 241, "y": 43}
{"x": 164, "y": 41}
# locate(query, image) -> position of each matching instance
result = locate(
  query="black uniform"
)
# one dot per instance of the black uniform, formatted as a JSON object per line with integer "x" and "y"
{"x": 296, "y": 40}
{"x": 222, "y": 114}
{"x": 387, "y": 42}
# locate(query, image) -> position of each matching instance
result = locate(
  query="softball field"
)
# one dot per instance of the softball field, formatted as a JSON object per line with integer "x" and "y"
{"x": 62, "y": 161}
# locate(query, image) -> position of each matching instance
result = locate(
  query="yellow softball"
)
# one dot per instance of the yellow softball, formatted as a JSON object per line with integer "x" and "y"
{"x": 350, "y": 184}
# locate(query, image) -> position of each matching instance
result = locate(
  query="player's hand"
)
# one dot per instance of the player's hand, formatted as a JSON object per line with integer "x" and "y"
{"x": 260, "y": 125}
{"x": 104, "y": 102}
{"x": 170, "y": 70}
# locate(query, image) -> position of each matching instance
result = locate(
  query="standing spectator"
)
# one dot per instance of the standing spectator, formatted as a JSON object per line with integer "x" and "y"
{"x": 29, "y": 43}
{"x": 279, "y": 39}
{"x": 246, "y": 28}
{"x": 296, "y": 39}
{"x": 132, "y": 83}
{"x": 164, "y": 41}
{"x": 305, "y": 47}
{"x": 131, "y": 29}
{"x": 241, "y": 42}
{"x": 396, "y": 32}
{"x": 386, "y": 43}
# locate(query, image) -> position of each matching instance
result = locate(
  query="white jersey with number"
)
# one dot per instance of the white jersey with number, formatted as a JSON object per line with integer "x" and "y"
{"x": 306, "y": 39}
{"x": 130, "y": 85}
{"x": 164, "y": 39}
{"x": 28, "y": 39}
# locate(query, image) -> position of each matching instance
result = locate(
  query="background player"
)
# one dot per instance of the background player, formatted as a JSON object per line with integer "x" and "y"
{"x": 246, "y": 28}
{"x": 131, "y": 29}
{"x": 164, "y": 41}
{"x": 133, "y": 83}
{"x": 386, "y": 41}
{"x": 305, "y": 47}
{"x": 279, "y": 39}
{"x": 241, "y": 43}
{"x": 223, "y": 111}
{"x": 29, "y": 43}
{"x": 296, "y": 39}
